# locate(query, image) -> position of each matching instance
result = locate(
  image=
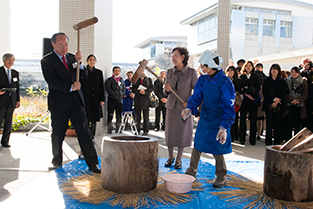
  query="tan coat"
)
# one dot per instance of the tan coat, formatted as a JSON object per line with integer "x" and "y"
{"x": 178, "y": 132}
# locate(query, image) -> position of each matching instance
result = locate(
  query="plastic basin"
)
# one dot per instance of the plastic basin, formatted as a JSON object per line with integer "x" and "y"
{"x": 178, "y": 183}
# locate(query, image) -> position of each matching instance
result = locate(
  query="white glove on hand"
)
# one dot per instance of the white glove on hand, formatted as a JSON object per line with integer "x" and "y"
{"x": 186, "y": 113}
{"x": 221, "y": 135}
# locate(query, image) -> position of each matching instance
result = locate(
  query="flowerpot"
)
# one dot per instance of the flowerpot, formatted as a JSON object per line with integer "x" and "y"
{"x": 70, "y": 132}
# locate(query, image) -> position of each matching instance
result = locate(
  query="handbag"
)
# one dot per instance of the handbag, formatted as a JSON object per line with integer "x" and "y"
{"x": 238, "y": 99}
{"x": 153, "y": 100}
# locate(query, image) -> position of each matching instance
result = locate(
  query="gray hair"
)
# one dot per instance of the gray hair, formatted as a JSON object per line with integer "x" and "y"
{"x": 54, "y": 37}
{"x": 7, "y": 56}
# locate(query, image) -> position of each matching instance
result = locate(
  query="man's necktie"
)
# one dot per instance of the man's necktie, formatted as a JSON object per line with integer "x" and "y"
{"x": 65, "y": 63}
{"x": 9, "y": 76}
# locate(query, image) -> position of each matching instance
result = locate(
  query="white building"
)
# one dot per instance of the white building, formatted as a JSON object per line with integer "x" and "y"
{"x": 160, "y": 46}
{"x": 258, "y": 28}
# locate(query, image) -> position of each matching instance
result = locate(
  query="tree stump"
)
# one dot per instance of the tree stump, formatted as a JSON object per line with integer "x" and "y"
{"x": 288, "y": 175}
{"x": 129, "y": 164}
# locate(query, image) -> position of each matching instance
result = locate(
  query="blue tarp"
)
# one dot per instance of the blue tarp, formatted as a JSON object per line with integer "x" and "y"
{"x": 202, "y": 199}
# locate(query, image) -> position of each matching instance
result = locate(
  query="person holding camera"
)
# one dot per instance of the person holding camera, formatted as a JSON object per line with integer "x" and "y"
{"x": 250, "y": 87}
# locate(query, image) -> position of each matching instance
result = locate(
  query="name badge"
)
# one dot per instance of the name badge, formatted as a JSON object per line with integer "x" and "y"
{"x": 74, "y": 65}
{"x": 15, "y": 79}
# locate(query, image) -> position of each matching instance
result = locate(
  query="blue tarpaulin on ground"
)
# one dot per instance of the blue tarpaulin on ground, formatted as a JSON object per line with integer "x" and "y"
{"x": 202, "y": 199}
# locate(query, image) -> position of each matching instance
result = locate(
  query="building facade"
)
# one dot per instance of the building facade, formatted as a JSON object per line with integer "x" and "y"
{"x": 160, "y": 47}
{"x": 257, "y": 28}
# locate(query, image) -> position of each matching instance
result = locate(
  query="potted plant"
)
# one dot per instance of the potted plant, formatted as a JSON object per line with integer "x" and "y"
{"x": 70, "y": 129}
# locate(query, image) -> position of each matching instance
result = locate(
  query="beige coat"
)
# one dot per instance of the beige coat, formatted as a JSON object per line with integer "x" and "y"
{"x": 178, "y": 132}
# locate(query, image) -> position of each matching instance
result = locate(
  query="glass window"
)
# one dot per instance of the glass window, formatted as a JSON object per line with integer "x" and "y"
{"x": 207, "y": 28}
{"x": 283, "y": 12}
{"x": 268, "y": 27}
{"x": 252, "y": 26}
{"x": 268, "y": 11}
{"x": 285, "y": 29}
{"x": 251, "y": 9}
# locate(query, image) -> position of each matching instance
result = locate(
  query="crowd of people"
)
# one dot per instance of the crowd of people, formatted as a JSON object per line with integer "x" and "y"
{"x": 283, "y": 98}
{"x": 224, "y": 102}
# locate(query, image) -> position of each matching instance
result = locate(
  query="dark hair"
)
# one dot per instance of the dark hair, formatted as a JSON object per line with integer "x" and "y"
{"x": 54, "y": 37}
{"x": 296, "y": 69}
{"x": 115, "y": 67}
{"x": 259, "y": 64}
{"x": 241, "y": 61}
{"x": 243, "y": 69}
{"x": 182, "y": 51}
{"x": 130, "y": 71}
{"x": 232, "y": 68}
{"x": 283, "y": 74}
{"x": 277, "y": 67}
{"x": 91, "y": 55}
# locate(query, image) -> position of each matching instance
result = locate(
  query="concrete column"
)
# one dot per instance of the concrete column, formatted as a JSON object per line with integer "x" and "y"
{"x": 223, "y": 31}
{"x": 5, "y": 22}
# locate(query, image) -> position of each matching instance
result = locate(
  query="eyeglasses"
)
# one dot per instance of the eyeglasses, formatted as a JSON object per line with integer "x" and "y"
{"x": 62, "y": 46}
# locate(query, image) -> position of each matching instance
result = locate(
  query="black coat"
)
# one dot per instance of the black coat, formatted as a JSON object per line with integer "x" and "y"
{"x": 272, "y": 89}
{"x": 93, "y": 89}
{"x": 142, "y": 101}
{"x": 115, "y": 91}
{"x": 252, "y": 87}
{"x": 60, "y": 80}
{"x": 158, "y": 90}
{"x": 4, "y": 83}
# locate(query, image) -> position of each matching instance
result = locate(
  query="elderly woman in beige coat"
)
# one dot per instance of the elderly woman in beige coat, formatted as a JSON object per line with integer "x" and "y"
{"x": 182, "y": 79}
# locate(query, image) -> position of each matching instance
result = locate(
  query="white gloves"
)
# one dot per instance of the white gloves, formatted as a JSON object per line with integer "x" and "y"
{"x": 186, "y": 113}
{"x": 221, "y": 135}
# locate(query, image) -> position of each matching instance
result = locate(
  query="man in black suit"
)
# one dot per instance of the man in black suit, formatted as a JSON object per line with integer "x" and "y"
{"x": 66, "y": 100}
{"x": 9, "y": 100}
{"x": 158, "y": 90}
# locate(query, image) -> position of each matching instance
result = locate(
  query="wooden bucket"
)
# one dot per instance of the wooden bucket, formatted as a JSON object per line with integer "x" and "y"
{"x": 129, "y": 164}
{"x": 288, "y": 175}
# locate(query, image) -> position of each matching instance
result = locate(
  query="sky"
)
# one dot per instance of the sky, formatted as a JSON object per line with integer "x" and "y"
{"x": 134, "y": 21}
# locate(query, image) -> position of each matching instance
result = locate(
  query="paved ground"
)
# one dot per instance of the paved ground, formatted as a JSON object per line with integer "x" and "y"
{"x": 29, "y": 157}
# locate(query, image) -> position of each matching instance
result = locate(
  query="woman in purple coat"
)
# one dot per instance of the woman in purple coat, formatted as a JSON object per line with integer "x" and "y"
{"x": 182, "y": 79}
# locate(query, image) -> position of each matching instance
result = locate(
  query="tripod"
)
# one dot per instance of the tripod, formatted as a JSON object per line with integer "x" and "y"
{"x": 128, "y": 117}
{"x": 39, "y": 123}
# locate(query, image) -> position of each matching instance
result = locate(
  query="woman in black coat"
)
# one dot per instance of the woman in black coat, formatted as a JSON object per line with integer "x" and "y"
{"x": 249, "y": 87}
{"x": 274, "y": 91}
{"x": 93, "y": 90}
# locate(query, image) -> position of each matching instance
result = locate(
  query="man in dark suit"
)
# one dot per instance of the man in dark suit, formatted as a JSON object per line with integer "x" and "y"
{"x": 9, "y": 100}
{"x": 66, "y": 100}
{"x": 158, "y": 90}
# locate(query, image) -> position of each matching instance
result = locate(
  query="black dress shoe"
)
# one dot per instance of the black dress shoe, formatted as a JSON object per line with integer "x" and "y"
{"x": 258, "y": 138}
{"x": 169, "y": 162}
{"x": 145, "y": 133}
{"x": 54, "y": 167}
{"x": 6, "y": 145}
{"x": 156, "y": 129}
{"x": 95, "y": 169}
{"x": 241, "y": 142}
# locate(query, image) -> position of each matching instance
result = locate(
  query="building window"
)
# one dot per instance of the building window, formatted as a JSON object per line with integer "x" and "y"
{"x": 285, "y": 29}
{"x": 207, "y": 29}
{"x": 268, "y": 27}
{"x": 252, "y": 26}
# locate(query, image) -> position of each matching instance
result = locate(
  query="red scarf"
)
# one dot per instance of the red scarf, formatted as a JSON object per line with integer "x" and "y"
{"x": 117, "y": 79}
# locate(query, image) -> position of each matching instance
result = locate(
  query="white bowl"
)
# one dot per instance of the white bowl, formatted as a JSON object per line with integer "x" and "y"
{"x": 178, "y": 183}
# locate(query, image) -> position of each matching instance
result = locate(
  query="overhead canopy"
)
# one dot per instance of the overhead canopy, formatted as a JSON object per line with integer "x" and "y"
{"x": 289, "y": 57}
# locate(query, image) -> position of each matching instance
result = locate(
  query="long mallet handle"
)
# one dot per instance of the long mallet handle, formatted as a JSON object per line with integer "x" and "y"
{"x": 153, "y": 73}
{"x": 78, "y": 60}
{"x": 77, "y": 27}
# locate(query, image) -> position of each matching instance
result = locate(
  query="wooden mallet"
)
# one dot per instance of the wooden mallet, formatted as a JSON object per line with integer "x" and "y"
{"x": 141, "y": 68}
{"x": 77, "y": 27}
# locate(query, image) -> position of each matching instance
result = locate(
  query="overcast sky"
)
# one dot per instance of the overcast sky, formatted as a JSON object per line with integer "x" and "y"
{"x": 134, "y": 21}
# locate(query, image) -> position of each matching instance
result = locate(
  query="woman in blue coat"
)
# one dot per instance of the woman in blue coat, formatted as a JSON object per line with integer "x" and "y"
{"x": 217, "y": 93}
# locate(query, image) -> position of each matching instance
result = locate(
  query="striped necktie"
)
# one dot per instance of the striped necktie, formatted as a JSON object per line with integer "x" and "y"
{"x": 9, "y": 76}
{"x": 65, "y": 63}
